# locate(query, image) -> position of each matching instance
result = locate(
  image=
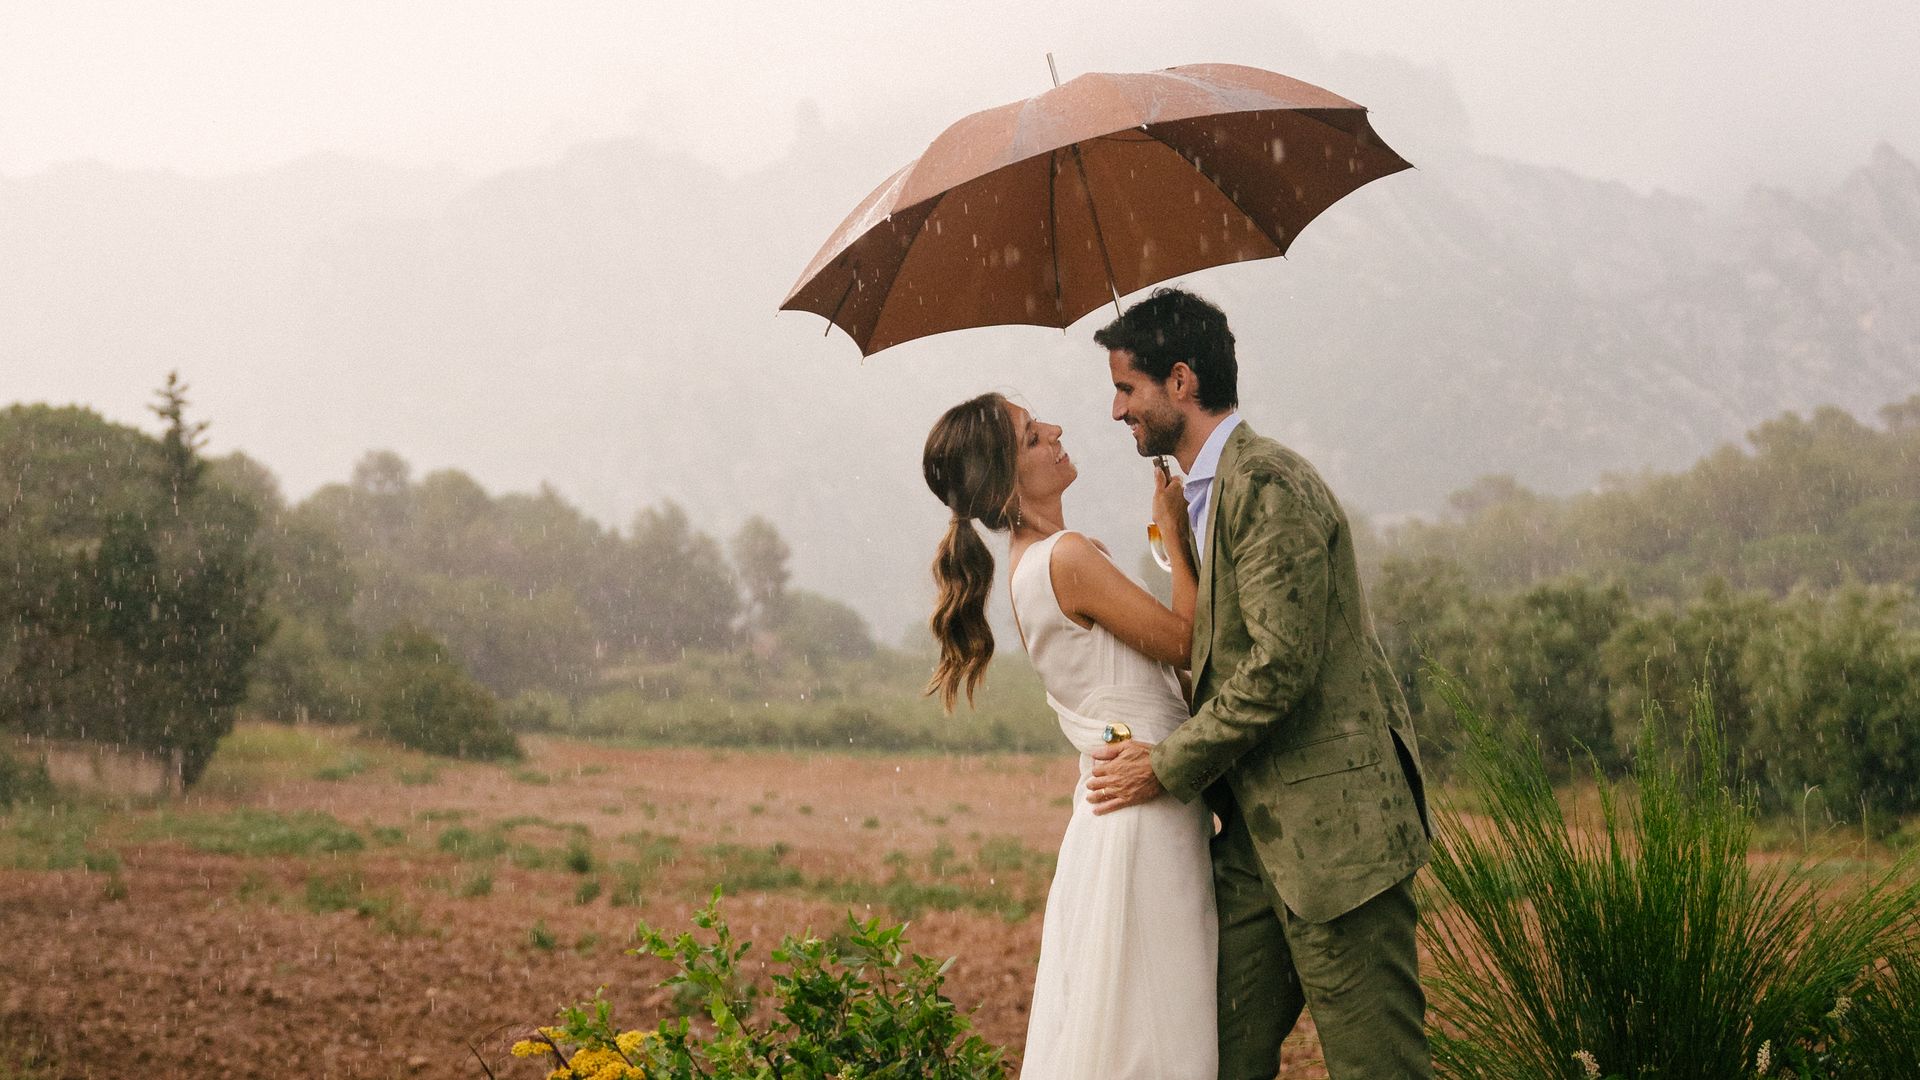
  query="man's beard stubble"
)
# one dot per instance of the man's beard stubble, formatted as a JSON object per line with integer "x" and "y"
{"x": 1161, "y": 432}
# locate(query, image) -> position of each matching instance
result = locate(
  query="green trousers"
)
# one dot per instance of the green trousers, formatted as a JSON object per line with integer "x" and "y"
{"x": 1359, "y": 974}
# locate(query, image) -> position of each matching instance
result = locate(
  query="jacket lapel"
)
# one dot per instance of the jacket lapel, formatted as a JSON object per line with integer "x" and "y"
{"x": 1216, "y": 510}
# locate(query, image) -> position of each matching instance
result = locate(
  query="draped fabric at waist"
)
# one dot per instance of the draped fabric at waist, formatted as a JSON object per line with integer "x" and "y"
{"x": 1150, "y": 711}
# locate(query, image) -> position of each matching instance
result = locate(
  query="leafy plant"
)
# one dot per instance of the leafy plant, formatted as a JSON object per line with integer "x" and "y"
{"x": 857, "y": 1005}
{"x": 1644, "y": 944}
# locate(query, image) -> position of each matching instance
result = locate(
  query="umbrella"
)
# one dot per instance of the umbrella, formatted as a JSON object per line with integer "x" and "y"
{"x": 1040, "y": 211}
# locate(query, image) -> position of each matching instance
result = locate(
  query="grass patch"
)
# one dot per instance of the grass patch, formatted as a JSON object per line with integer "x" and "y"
{"x": 247, "y": 831}
{"x": 739, "y": 868}
{"x": 865, "y": 706}
{"x": 55, "y": 836}
{"x": 477, "y": 884}
{"x": 651, "y": 849}
{"x": 541, "y": 938}
{"x": 328, "y": 893}
{"x": 1008, "y": 855}
{"x": 579, "y": 856}
{"x": 255, "y": 886}
{"x": 909, "y": 899}
{"x": 629, "y": 879}
{"x": 466, "y": 843}
{"x": 348, "y": 767}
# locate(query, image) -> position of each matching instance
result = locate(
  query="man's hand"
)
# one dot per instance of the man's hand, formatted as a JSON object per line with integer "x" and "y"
{"x": 1124, "y": 777}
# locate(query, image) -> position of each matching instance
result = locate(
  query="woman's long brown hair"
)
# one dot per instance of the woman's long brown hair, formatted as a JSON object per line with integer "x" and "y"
{"x": 969, "y": 465}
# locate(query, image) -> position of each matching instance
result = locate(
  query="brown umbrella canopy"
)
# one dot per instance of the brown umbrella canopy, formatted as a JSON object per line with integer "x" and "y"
{"x": 1040, "y": 211}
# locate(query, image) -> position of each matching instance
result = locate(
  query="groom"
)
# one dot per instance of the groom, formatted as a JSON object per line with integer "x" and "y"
{"x": 1299, "y": 739}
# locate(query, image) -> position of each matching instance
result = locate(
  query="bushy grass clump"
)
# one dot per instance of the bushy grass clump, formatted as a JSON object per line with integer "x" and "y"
{"x": 1646, "y": 943}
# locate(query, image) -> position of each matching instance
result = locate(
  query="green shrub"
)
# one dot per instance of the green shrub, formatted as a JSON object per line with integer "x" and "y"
{"x": 1646, "y": 940}
{"x": 533, "y": 711}
{"x": 21, "y": 782}
{"x": 857, "y": 1005}
{"x": 424, "y": 700}
{"x": 579, "y": 856}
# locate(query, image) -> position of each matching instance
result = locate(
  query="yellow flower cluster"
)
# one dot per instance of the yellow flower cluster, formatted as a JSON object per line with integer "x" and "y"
{"x": 598, "y": 1064}
{"x": 595, "y": 1063}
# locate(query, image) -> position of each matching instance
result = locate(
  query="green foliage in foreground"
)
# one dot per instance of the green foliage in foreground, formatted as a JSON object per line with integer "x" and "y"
{"x": 856, "y": 1005}
{"x": 1647, "y": 944}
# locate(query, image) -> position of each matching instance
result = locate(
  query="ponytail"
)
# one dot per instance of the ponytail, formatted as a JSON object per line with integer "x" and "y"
{"x": 969, "y": 466}
{"x": 963, "y": 569}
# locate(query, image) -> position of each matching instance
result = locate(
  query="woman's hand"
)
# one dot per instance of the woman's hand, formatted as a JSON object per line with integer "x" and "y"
{"x": 1170, "y": 510}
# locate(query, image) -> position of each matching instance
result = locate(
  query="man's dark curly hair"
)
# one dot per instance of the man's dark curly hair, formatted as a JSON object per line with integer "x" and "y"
{"x": 1172, "y": 326}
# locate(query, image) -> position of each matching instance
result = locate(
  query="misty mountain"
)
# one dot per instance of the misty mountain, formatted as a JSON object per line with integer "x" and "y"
{"x": 607, "y": 323}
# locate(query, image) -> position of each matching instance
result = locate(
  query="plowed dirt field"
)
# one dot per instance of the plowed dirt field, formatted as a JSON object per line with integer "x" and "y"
{"x": 322, "y": 907}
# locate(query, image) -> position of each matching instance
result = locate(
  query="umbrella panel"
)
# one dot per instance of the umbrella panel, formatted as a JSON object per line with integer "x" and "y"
{"x": 1020, "y": 244}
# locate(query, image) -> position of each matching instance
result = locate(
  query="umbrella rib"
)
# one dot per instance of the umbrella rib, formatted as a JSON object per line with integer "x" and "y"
{"x": 1053, "y": 230}
{"x": 834, "y": 318}
{"x": 881, "y": 309}
{"x": 1092, "y": 212}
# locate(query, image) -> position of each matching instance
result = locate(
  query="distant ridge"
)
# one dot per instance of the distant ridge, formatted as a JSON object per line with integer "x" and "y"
{"x": 606, "y": 323}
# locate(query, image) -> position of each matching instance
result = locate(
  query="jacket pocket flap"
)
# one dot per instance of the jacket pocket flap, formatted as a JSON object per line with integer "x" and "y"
{"x": 1338, "y": 753}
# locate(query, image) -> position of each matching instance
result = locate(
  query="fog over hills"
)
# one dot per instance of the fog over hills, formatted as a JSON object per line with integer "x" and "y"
{"x": 606, "y": 324}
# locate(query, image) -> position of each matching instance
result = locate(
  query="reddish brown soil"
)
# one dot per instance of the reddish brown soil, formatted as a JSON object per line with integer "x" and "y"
{"x": 213, "y": 966}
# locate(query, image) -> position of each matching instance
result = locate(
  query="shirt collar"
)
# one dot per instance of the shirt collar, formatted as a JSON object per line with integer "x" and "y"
{"x": 1207, "y": 462}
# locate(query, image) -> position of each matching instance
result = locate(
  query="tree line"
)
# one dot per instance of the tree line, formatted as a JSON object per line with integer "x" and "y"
{"x": 1780, "y": 577}
{"x": 150, "y": 592}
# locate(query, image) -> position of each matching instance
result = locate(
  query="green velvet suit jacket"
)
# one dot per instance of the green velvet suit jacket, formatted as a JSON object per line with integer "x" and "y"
{"x": 1296, "y": 714}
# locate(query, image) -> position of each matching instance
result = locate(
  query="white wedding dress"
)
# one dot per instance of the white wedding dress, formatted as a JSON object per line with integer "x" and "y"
{"x": 1125, "y": 989}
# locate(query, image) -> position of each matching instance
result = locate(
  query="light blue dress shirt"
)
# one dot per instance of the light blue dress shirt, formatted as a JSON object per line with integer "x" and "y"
{"x": 1199, "y": 482}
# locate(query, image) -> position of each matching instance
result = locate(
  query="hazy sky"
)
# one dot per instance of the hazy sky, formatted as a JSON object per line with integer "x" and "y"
{"x": 1700, "y": 96}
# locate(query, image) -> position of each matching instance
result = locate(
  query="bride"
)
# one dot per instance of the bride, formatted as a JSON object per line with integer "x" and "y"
{"x": 1125, "y": 988}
